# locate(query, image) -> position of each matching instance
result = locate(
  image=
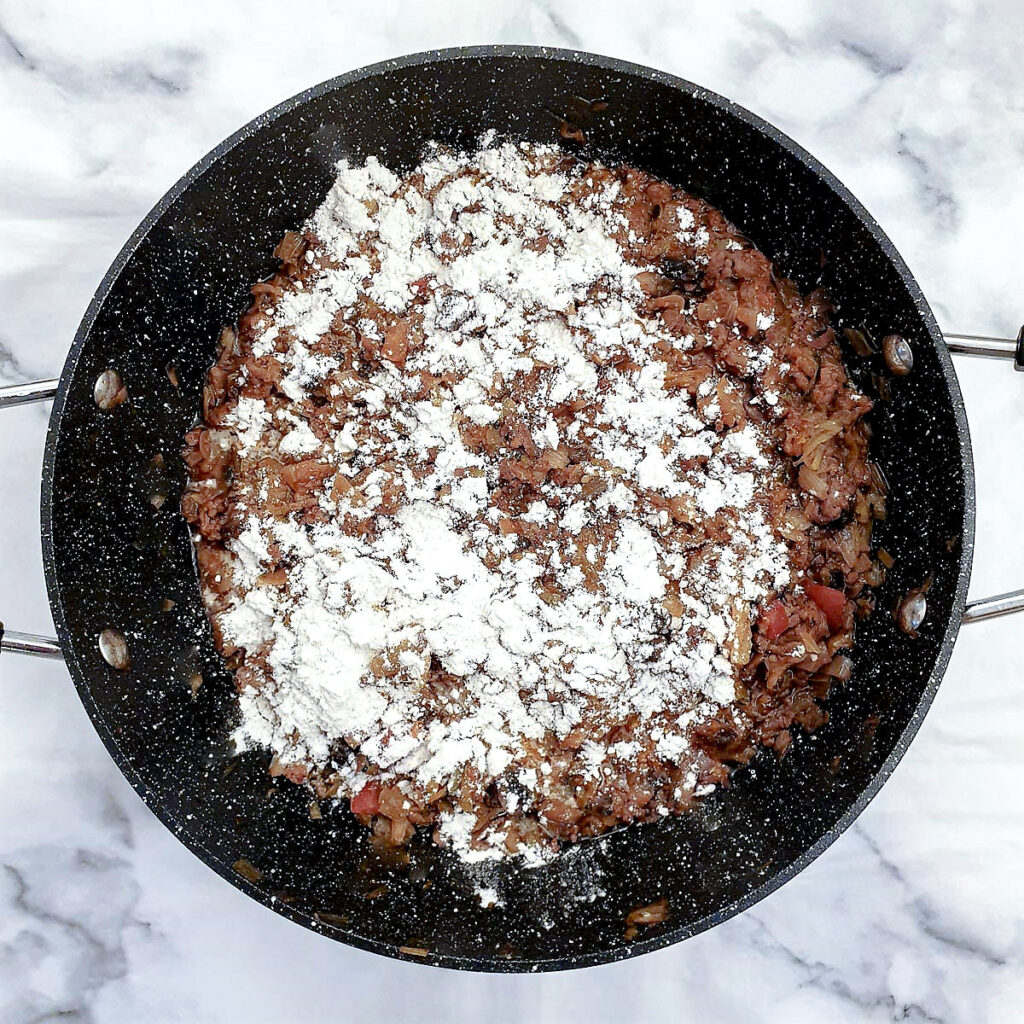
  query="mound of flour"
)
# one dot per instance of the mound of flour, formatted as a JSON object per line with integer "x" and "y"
{"x": 535, "y": 640}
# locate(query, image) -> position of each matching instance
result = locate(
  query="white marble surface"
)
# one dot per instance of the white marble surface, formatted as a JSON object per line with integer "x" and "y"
{"x": 916, "y": 914}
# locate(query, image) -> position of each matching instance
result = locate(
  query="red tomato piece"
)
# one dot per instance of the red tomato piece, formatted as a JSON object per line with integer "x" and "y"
{"x": 774, "y": 621}
{"x": 831, "y": 601}
{"x": 366, "y": 800}
{"x": 421, "y": 286}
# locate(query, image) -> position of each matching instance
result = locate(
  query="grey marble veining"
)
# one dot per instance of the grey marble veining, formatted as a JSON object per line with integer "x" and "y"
{"x": 916, "y": 914}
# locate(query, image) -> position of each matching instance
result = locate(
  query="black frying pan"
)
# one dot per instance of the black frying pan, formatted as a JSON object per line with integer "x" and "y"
{"x": 116, "y": 558}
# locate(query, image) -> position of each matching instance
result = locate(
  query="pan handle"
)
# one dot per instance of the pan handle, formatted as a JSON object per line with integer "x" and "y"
{"x": 11, "y": 640}
{"x": 961, "y": 344}
{"x": 23, "y": 394}
{"x": 29, "y": 643}
{"x": 993, "y": 607}
{"x": 982, "y": 346}
{"x": 990, "y": 348}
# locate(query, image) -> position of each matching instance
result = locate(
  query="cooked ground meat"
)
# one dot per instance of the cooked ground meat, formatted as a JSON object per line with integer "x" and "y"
{"x": 315, "y": 426}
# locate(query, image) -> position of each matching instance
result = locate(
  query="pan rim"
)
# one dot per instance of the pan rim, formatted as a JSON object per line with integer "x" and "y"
{"x": 640, "y": 945}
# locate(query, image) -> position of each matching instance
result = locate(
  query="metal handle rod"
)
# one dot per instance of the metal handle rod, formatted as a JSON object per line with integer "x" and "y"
{"x": 990, "y": 348}
{"x": 981, "y": 345}
{"x": 11, "y": 640}
{"x": 993, "y": 607}
{"x": 24, "y": 394}
{"x": 29, "y": 643}
{"x": 986, "y": 347}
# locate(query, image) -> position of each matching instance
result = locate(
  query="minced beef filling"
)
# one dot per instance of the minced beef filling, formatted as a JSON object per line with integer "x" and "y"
{"x": 528, "y": 501}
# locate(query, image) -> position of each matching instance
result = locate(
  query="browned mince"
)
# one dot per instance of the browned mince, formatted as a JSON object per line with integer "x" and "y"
{"x": 818, "y": 428}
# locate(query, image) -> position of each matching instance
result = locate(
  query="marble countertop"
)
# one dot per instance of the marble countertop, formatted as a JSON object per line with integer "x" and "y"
{"x": 915, "y": 914}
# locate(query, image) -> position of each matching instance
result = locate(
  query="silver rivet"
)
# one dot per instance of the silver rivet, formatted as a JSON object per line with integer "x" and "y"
{"x": 912, "y": 612}
{"x": 114, "y": 649}
{"x": 109, "y": 391}
{"x": 899, "y": 356}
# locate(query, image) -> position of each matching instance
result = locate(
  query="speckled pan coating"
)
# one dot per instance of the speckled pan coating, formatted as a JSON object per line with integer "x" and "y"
{"x": 115, "y": 560}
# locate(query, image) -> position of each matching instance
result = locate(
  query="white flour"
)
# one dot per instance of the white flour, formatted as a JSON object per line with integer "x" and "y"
{"x": 352, "y": 637}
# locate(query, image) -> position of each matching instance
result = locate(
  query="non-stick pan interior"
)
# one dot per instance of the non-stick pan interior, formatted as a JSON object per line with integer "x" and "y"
{"x": 115, "y": 559}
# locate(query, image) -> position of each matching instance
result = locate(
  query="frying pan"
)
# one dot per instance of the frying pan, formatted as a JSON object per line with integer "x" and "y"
{"x": 118, "y": 555}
